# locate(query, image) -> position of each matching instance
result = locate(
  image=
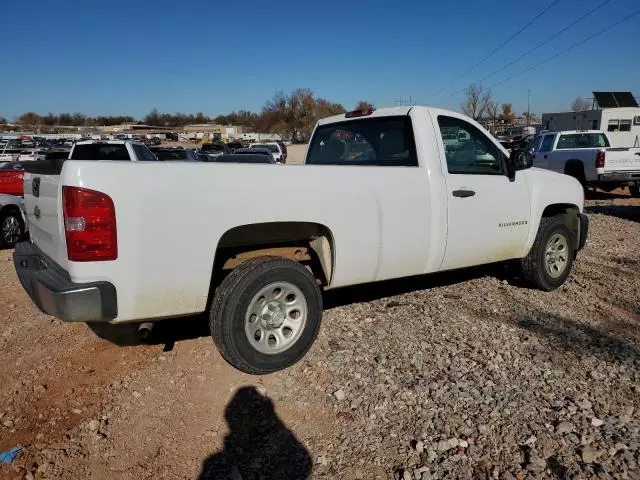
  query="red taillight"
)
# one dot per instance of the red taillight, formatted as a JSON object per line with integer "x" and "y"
{"x": 359, "y": 113}
{"x": 89, "y": 225}
{"x": 600, "y": 159}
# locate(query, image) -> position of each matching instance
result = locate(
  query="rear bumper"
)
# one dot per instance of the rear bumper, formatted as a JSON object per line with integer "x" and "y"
{"x": 51, "y": 289}
{"x": 619, "y": 177}
{"x": 584, "y": 231}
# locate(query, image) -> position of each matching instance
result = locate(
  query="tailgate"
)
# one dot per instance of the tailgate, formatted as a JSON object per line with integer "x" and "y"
{"x": 43, "y": 204}
{"x": 622, "y": 160}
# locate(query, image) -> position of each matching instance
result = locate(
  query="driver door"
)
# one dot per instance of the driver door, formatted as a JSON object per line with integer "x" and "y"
{"x": 487, "y": 213}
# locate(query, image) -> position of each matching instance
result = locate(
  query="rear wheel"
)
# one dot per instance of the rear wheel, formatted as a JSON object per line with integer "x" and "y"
{"x": 549, "y": 262}
{"x": 11, "y": 228}
{"x": 634, "y": 190}
{"x": 266, "y": 314}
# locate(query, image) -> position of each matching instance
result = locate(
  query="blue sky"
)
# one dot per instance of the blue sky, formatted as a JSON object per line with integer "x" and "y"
{"x": 214, "y": 57}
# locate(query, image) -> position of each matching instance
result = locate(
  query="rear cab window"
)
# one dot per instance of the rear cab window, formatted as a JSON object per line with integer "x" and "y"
{"x": 100, "y": 151}
{"x": 381, "y": 141}
{"x": 582, "y": 140}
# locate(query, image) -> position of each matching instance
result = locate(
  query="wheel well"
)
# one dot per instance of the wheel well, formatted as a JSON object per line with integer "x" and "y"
{"x": 573, "y": 165}
{"x": 570, "y": 212}
{"x": 10, "y": 209}
{"x": 309, "y": 243}
{"x": 575, "y": 168}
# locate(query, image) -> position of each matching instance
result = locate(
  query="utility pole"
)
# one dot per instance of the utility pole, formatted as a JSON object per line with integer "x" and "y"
{"x": 529, "y": 108}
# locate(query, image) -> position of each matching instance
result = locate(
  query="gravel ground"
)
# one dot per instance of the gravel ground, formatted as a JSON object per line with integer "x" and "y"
{"x": 463, "y": 375}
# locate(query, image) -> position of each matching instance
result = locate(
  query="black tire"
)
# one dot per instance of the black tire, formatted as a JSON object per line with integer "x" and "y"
{"x": 634, "y": 190}
{"x": 575, "y": 169}
{"x": 13, "y": 216}
{"x": 231, "y": 302}
{"x": 533, "y": 265}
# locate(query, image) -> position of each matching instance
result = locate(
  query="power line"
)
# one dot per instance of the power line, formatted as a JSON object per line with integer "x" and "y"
{"x": 571, "y": 47}
{"x": 502, "y": 45}
{"x": 552, "y": 37}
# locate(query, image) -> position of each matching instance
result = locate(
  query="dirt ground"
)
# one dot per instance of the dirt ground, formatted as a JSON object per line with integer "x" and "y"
{"x": 468, "y": 375}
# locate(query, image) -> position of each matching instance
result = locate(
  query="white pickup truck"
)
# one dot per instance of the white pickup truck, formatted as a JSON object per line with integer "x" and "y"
{"x": 380, "y": 197}
{"x": 587, "y": 156}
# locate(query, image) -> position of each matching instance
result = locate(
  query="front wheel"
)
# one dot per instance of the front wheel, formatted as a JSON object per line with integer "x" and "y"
{"x": 550, "y": 259}
{"x": 634, "y": 190}
{"x": 11, "y": 229}
{"x": 266, "y": 314}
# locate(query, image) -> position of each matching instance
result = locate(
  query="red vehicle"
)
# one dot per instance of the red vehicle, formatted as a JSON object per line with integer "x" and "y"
{"x": 11, "y": 179}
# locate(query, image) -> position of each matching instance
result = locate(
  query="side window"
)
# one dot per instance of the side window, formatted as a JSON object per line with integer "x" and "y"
{"x": 547, "y": 143}
{"x": 625, "y": 125}
{"x": 143, "y": 153}
{"x": 535, "y": 144}
{"x": 468, "y": 150}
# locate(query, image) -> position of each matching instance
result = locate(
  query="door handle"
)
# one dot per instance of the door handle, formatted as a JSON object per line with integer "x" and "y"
{"x": 463, "y": 193}
{"x": 546, "y": 156}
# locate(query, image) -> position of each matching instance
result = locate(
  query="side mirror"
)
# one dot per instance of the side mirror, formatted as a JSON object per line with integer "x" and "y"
{"x": 523, "y": 159}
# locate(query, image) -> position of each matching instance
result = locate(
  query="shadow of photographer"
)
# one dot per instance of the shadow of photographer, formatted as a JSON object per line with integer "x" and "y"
{"x": 258, "y": 446}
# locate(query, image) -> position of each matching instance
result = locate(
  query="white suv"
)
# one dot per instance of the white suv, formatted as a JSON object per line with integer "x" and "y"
{"x": 273, "y": 147}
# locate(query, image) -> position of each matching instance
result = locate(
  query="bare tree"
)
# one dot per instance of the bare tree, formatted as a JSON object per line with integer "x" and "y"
{"x": 475, "y": 105}
{"x": 580, "y": 105}
{"x": 492, "y": 113}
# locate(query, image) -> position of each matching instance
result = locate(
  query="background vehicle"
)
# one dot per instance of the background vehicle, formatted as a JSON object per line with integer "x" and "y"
{"x": 11, "y": 179}
{"x": 57, "y": 154}
{"x": 244, "y": 158}
{"x": 111, "y": 150}
{"x": 12, "y": 220}
{"x": 283, "y": 148}
{"x": 377, "y": 205}
{"x": 232, "y": 146}
{"x": 177, "y": 154}
{"x": 273, "y": 147}
{"x": 586, "y": 155}
{"x": 203, "y": 157}
{"x": 256, "y": 151}
{"x": 214, "y": 149}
